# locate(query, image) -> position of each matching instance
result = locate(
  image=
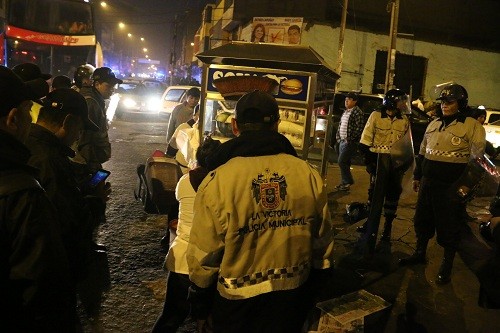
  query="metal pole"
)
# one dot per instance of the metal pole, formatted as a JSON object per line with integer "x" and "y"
{"x": 391, "y": 54}
{"x": 172, "y": 54}
{"x": 340, "y": 54}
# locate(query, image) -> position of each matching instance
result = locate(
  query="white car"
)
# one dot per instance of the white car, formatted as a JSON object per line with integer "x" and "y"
{"x": 173, "y": 96}
{"x": 492, "y": 127}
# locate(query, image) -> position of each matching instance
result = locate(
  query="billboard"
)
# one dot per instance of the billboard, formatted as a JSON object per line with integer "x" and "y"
{"x": 277, "y": 30}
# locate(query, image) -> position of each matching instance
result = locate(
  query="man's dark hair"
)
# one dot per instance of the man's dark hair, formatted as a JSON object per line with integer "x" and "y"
{"x": 61, "y": 81}
{"x": 195, "y": 92}
{"x": 208, "y": 146}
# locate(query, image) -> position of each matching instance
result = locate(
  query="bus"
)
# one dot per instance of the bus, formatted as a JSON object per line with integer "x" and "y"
{"x": 57, "y": 35}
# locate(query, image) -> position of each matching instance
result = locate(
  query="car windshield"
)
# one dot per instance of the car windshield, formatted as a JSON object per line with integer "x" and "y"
{"x": 494, "y": 118}
{"x": 131, "y": 88}
{"x": 154, "y": 86}
{"x": 495, "y": 123}
{"x": 366, "y": 103}
{"x": 420, "y": 115}
{"x": 174, "y": 95}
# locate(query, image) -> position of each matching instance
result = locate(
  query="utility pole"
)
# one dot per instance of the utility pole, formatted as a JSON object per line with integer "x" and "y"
{"x": 340, "y": 53}
{"x": 391, "y": 54}
{"x": 172, "y": 52}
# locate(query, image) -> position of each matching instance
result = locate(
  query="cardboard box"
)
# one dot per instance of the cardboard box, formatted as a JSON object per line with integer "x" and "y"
{"x": 346, "y": 314}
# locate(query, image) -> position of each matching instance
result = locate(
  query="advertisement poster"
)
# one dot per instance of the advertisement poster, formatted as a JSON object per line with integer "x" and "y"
{"x": 277, "y": 30}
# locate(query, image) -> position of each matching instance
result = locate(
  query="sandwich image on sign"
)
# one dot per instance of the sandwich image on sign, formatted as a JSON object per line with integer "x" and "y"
{"x": 291, "y": 87}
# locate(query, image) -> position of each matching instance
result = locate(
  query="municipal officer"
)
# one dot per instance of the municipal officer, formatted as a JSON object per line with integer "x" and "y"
{"x": 383, "y": 129}
{"x": 262, "y": 234}
{"x": 449, "y": 143}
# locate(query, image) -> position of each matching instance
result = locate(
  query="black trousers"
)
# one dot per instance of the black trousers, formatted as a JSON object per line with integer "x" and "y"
{"x": 384, "y": 196}
{"x": 440, "y": 211}
{"x": 275, "y": 312}
{"x": 176, "y": 307}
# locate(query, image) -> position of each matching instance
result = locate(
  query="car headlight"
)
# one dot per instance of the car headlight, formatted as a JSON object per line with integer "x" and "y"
{"x": 129, "y": 102}
{"x": 154, "y": 103}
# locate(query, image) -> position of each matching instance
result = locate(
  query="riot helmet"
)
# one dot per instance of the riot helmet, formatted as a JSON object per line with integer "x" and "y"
{"x": 392, "y": 97}
{"x": 83, "y": 72}
{"x": 455, "y": 92}
{"x": 356, "y": 211}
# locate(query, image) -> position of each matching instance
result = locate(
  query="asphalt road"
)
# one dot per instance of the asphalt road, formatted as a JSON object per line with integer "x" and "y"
{"x": 138, "y": 279}
{"x": 132, "y": 236}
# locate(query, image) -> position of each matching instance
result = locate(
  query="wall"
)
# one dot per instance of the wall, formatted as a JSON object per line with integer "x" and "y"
{"x": 477, "y": 71}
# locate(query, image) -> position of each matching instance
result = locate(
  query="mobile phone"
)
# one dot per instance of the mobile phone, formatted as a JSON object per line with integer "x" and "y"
{"x": 98, "y": 176}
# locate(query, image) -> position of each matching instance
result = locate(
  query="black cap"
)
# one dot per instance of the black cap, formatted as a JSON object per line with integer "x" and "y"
{"x": 29, "y": 71}
{"x": 105, "y": 74}
{"x": 72, "y": 102}
{"x": 13, "y": 90}
{"x": 257, "y": 107}
{"x": 352, "y": 95}
{"x": 61, "y": 81}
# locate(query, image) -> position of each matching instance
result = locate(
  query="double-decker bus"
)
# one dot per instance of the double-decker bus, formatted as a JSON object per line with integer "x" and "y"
{"x": 57, "y": 35}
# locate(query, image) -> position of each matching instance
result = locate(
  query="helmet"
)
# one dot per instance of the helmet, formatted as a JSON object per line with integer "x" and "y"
{"x": 455, "y": 92}
{"x": 356, "y": 211}
{"x": 83, "y": 72}
{"x": 392, "y": 97}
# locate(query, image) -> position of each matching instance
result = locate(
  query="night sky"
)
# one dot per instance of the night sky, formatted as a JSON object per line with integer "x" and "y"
{"x": 154, "y": 20}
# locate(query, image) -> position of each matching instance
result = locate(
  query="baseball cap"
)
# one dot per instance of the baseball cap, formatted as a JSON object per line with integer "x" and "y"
{"x": 257, "y": 107}
{"x": 72, "y": 102}
{"x": 13, "y": 90}
{"x": 352, "y": 95}
{"x": 28, "y": 71}
{"x": 105, "y": 74}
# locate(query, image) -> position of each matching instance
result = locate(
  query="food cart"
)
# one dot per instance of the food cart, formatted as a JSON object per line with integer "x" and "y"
{"x": 304, "y": 88}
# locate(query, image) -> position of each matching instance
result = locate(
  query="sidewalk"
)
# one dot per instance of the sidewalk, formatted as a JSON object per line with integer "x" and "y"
{"x": 449, "y": 308}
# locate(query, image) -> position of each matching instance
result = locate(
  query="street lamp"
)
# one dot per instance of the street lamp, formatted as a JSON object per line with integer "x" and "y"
{"x": 145, "y": 49}
{"x": 121, "y": 25}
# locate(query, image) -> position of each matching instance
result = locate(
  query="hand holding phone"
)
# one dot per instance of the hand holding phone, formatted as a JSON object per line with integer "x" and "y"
{"x": 98, "y": 177}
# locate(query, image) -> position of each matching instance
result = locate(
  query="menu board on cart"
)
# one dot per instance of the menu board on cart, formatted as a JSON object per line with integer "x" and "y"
{"x": 292, "y": 87}
{"x": 292, "y": 95}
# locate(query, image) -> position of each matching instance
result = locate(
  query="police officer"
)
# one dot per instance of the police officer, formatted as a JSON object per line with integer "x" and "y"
{"x": 383, "y": 129}
{"x": 83, "y": 76}
{"x": 444, "y": 153}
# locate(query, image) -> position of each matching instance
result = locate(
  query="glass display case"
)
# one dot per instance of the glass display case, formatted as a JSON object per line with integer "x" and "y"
{"x": 303, "y": 88}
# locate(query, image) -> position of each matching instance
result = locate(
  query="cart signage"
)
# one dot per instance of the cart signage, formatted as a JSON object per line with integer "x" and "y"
{"x": 291, "y": 87}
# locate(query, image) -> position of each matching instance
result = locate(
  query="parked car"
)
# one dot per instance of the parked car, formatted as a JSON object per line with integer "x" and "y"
{"x": 139, "y": 96}
{"x": 370, "y": 102}
{"x": 172, "y": 96}
{"x": 492, "y": 127}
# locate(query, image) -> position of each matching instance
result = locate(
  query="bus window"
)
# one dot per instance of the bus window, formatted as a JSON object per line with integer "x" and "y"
{"x": 52, "y": 16}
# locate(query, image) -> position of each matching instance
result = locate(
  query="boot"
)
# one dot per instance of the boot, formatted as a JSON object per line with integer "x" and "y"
{"x": 418, "y": 257}
{"x": 444, "y": 274}
{"x": 386, "y": 234}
